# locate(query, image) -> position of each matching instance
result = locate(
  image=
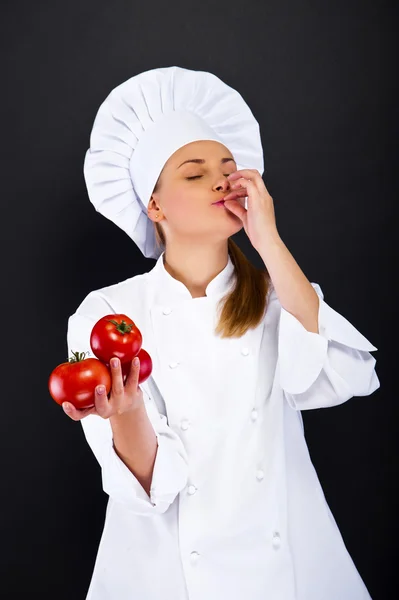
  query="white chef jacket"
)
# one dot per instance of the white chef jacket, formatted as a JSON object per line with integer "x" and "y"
{"x": 236, "y": 509}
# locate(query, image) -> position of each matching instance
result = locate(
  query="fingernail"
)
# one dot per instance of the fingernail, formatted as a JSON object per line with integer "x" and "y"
{"x": 100, "y": 389}
{"x": 66, "y": 407}
{"x": 114, "y": 362}
{"x": 136, "y": 361}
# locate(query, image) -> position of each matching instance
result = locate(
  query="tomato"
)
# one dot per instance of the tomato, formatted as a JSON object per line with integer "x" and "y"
{"x": 75, "y": 381}
{"x": 115, "y": 335}
{"x": 145, "y": 367}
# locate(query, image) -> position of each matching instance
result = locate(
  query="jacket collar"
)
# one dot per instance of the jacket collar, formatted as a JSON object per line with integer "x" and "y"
{"x": 168, "y": 289}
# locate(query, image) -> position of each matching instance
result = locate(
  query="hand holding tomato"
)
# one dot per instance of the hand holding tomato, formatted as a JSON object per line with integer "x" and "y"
{"x": 123, "y": 398}
{"x": 74, "y": 384}
{"x": 75, "y": 380}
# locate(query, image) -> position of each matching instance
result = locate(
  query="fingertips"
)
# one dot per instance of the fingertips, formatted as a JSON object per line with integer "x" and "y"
{"x": 71, "y": 411}
{"x": 117, "y": 376}
{"x": 136, "y": 368}
{"x": 134, "y": 372}
{"x": 101, "y": 400}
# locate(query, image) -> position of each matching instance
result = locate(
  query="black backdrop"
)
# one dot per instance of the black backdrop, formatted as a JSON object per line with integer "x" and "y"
{"x": 321, "y": 80}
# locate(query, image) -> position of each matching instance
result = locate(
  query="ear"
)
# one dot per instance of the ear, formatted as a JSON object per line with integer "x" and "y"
{"x": 151, "y": 209}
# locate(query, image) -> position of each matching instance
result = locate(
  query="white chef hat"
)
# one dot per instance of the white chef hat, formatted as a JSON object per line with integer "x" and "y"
{"x": 142, "y": 122}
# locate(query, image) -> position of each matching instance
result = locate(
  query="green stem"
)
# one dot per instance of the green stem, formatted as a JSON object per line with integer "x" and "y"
{"x": 77, "y": 356}
{"x": 121, "y": 327}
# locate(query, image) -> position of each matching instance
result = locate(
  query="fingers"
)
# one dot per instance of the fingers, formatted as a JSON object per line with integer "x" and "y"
{"x": 133, "y": 392}
{"x": 251, "y": 175}
{"x": 132, "y": 381}
{"x": 118, "y": 389}
{"x": 235, "y": 194}
{"x": 122, "y": 397}
{"x": 101, "y": 401}
{"x": 76, "y": 414}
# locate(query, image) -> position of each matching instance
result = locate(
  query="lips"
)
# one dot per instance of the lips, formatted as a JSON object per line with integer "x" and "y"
{"x": 219, "y": 202}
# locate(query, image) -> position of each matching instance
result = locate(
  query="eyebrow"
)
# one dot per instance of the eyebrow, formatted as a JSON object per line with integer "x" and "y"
{"x": 201, "y": 161}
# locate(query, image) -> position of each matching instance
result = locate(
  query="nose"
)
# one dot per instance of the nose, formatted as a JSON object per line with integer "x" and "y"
{"x": 224, "y": 185}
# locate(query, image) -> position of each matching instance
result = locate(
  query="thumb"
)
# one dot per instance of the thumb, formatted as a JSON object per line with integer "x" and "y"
{"x": 235, "y": 207}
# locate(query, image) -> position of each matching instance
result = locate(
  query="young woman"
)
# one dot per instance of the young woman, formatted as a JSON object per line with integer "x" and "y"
{"x": 212, "y": 492}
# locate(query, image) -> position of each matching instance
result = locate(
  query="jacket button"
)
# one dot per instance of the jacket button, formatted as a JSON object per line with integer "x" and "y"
{"x": 173, "y": 365}
{"x": 167, "y": 311}
{"x": 260, "y": 475}
{"x": 191, "y": 489}
{"x": 276, "y": 540}
{"x": 245, "y": 351}
{"x": 254, "y": 414}
{"x": 184, "y": 424}
{"x": 194, "y": 556}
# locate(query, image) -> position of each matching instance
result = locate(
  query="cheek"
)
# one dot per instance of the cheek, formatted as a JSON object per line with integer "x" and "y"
{"x": 187, "y": 208}
{"x": 183, "y": 205}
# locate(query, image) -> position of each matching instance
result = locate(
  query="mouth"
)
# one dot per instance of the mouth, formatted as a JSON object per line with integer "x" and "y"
{"x": 219, "y": 203}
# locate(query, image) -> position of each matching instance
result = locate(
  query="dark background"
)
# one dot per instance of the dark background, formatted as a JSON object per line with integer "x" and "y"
{"x": 320, "y": 77}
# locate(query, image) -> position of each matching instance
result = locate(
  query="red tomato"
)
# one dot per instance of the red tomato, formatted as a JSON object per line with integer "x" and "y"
{"x": 145, "y": 367}
{"x": 75, "y": 381}
{"x": 115, "y": 335}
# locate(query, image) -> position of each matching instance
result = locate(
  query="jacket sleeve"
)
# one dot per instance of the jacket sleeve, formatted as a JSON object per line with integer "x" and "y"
{"x": 171, "y": 463}
{"x": 318, "y": 370}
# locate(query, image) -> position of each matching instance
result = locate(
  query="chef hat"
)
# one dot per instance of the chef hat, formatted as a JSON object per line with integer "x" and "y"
{"x": 142, "y": 122}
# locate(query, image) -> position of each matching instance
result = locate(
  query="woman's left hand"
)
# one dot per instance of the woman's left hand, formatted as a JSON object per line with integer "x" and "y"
{"x": 258, "y": 219}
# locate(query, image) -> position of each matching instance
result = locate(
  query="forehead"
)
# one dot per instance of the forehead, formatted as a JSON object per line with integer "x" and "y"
{"x": 205, "y": 149}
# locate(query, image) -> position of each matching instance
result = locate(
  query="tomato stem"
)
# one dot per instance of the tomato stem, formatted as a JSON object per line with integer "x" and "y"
{"x": 77, "y": 356}
{"x": 121, "y": 327}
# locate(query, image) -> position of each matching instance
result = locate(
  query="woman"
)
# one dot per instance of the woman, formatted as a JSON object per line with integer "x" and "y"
{"x": 212, "y": 492}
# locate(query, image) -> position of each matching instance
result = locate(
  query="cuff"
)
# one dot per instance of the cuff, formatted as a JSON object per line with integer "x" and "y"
{"x": 169, "y": 477}
{"x": 170, "y": 474}
{"x": 302, "y": 354}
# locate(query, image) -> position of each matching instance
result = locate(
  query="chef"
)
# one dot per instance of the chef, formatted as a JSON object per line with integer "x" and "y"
{"x": 234, "y": 508}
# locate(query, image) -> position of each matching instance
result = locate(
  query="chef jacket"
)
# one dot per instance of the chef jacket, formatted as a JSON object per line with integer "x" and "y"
{"x": 236, "y": 509}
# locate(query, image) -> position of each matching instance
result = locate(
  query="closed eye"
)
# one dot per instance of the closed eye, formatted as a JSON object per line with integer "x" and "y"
{"x": 197, "y": 176}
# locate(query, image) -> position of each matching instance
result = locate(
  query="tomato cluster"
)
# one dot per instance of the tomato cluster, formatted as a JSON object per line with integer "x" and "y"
{"x": 113, "y": 335}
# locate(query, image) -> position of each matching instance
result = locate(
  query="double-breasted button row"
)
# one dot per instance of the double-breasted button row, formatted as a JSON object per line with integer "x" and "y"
{"x": 184, "y": 425}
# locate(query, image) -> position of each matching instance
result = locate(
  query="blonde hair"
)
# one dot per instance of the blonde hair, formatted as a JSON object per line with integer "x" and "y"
{"x": 245, "y": 306}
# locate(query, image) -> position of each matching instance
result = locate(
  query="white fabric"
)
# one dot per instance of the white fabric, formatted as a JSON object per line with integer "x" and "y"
{"x": 142, "y": 122}
{"x": 236, "y": 509}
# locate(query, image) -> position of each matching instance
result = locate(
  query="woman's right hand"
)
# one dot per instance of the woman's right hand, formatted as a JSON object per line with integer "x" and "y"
{"x": 122, "y": 398}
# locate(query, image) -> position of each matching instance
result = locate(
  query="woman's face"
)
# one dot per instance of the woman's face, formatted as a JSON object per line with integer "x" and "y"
{"x": 186, "y": 193}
